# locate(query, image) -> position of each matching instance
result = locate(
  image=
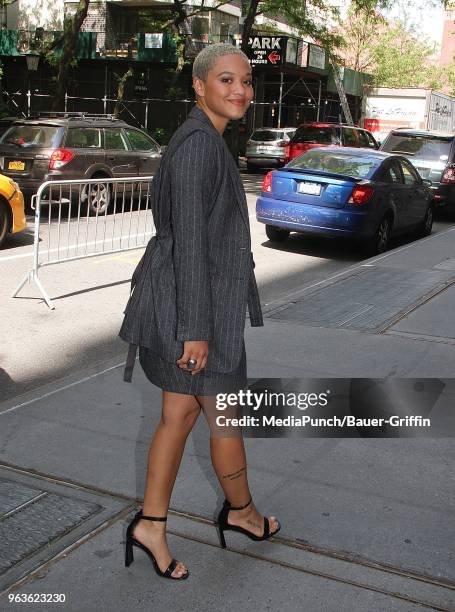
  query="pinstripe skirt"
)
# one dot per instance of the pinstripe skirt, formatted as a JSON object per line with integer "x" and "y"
{"x": 170, "y": 377}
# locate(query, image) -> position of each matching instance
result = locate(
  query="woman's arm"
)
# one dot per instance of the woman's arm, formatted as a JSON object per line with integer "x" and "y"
{"x": 194, "y": 168}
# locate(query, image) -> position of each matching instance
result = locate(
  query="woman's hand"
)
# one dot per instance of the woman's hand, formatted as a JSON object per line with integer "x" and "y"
{"x": 194, "y": 349}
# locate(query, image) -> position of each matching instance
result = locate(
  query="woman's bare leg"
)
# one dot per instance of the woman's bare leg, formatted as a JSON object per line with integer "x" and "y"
{"x": 229, "y": 462}
{"x": 179, "y": 414}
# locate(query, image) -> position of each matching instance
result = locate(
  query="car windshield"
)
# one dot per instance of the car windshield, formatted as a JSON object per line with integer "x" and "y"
{"x": 432, "y": 148}
{"x": 266, "y": 135}
{"x": 315, "y": 135}
{"x": 338, "y": 163}
{"x": 30, "y": 136}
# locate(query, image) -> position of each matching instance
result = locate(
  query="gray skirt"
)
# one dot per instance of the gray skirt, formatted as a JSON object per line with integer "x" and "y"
{"x": 170, "y": 377}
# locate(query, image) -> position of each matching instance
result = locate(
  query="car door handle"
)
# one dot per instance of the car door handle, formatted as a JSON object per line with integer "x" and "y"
{"x": 111, "y": 158}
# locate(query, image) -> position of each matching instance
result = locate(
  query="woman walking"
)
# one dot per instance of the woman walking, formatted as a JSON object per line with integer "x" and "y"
{"x": 186, "y": 313}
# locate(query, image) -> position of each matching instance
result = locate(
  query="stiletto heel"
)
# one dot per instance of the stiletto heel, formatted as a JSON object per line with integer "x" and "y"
{"x": 131, "y": 541}
{"x": 223, "y": 525}
{"x": 221, "y": 533}
{"x": 129, "y": 556}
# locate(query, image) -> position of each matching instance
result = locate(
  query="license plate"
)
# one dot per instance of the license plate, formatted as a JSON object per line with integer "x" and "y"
{"x": 16, "y": 165}
{"x": 309, "y": 188}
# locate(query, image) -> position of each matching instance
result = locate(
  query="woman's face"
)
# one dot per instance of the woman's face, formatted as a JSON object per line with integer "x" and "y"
{"x": 228, "y": 90}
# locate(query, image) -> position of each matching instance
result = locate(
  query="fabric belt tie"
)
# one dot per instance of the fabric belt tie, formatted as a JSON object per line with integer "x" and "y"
{"x": 130, "y": 361}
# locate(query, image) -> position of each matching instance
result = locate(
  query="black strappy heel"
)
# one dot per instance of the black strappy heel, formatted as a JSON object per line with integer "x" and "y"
{"x": 223, "y": 524}
{"x": 131, "y": 541}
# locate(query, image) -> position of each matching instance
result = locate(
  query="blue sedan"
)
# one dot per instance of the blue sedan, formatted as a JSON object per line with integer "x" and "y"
{"x": 360, "y": 194}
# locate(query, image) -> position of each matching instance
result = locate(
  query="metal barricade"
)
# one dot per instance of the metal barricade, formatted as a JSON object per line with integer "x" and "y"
{"x": 75, "y": 219}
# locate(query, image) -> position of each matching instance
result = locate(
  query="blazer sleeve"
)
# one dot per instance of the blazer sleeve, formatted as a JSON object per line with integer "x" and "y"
{"x": 193, "y": 174}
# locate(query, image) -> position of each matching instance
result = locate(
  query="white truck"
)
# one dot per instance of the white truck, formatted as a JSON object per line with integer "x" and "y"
{"x": 389, "y": 108}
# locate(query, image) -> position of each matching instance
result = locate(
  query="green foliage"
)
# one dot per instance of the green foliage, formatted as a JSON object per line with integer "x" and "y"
{"x": 160, "y": 135}
{"x": 400, "y": 60}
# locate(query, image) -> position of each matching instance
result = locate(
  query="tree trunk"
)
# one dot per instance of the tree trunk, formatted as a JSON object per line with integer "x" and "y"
{"x": 121, "y": 90}
{"x": 72, "y": 30}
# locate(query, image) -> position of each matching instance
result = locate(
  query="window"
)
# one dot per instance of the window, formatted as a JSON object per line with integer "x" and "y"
{"x": 317, "y": 135}
{"x": 141, "y": 142}
{"x": 114, "y": 140}
{"x": 349, "y": 137}
{"x": 366, "y": 140}
{"x": 32, "y": 135}
{"x": 83, "y": 138}
{"x": 341, "y": 162}
{"x": 432, "y": 148}
{"x": 410, "y": 176}
{"x": 266, "y": 135}
{"x": 392, "y": 174}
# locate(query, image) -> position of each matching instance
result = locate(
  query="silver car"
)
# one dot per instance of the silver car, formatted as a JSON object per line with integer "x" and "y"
{"x": 266, "y": 147}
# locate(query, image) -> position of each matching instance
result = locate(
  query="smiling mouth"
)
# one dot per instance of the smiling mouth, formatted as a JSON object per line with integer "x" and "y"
{"x": 237, "y": 102}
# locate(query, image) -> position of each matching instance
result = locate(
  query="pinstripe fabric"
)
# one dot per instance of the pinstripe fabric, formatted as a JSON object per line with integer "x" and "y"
{"x": 196, "y": 278}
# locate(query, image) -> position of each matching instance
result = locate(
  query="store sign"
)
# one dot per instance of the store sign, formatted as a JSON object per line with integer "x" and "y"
{"x": 153, "y": 41}
{"x": 266, "y": 50}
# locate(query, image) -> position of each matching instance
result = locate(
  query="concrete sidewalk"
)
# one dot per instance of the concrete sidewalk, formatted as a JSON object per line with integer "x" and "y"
{"x": 367, "y": 523}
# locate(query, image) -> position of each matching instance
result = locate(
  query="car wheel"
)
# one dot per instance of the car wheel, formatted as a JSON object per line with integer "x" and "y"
{"x": 276, "y": 234}
{"x": 380, "y": 241}
{"x": 425, "y": 227}
{"x": 97, "y": 196}
{"x": 4, "y": 223}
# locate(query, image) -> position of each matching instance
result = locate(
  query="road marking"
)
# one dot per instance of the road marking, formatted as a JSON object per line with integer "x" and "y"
{"x": 73, "y": 384}
{"x": 75, "y": 247}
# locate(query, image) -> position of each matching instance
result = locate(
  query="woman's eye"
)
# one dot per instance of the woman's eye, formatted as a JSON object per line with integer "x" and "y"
{"x": 225, "y": 80}
{"x": 248, "y": 82}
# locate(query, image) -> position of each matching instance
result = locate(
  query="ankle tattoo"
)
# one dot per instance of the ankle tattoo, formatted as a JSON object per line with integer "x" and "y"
{"x": 235, "y": 475}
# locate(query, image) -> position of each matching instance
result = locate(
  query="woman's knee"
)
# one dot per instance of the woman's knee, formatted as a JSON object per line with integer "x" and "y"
{"x": 180, "y": 411}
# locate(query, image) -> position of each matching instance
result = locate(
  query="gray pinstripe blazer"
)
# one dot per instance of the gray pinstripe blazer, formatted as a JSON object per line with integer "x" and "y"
{"x": 196, "y": 278}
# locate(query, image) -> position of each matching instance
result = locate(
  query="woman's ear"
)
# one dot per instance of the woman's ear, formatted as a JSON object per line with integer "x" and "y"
{"x": 198, "y": 86}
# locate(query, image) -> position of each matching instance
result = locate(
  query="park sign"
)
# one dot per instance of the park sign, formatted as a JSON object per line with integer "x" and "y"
{"x": 267, "y": 50}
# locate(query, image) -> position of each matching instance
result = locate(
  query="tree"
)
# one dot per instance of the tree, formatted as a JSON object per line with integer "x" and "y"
{"x": 400, "y": 60}
{"x": 71, "y": 28}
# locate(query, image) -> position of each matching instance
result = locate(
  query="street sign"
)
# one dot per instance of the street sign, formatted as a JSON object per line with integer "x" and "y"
{"x": 268, "y": 50}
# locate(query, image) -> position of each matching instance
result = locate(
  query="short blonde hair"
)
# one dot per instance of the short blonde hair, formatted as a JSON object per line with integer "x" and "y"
{"x": 205, "y": 59}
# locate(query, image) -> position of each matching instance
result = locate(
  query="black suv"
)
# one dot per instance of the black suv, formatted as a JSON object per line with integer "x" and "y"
{"x": 433, "y": 154}
{"x": 76, "y": 146}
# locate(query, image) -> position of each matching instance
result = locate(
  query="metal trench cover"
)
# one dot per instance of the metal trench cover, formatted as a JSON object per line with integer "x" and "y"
{"x": 370, "y": 299}
{"x": 39, "y": 518}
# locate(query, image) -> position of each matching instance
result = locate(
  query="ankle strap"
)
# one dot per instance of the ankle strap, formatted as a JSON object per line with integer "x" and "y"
{"x": 239, "y": 507}
{"x": 151, "y": 518}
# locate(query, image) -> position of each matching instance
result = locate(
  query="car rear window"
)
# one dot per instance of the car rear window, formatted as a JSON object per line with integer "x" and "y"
{"x": 316, "y": 135}
{"x": 31, "y": 136}
{"x": 266, "y": 135}
{"x": 338, "y": 163}
{"x": 433, "y": 148}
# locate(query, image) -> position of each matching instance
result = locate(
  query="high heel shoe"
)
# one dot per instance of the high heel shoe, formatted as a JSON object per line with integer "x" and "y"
{"x": 223, "y": 524}
{"x": 131, "y": 541}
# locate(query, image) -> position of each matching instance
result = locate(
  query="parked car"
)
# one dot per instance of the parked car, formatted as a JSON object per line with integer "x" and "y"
{"x": 5, "y": 123}
{"x": 312, "y": 135}
{"x": 266, "y": 147}
{"x": 12, "y": 215}
{"x": 55, "y": 148}
{"x": 347, "y": 192}
{"x": 433, "y": 154}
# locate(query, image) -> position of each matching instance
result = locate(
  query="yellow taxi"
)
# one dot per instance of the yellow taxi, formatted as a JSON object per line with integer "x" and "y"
{"x": 12, "y": 215}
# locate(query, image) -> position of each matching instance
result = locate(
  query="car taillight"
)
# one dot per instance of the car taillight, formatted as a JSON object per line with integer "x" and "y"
{"x": 282, "y": 143}
{"x": 361, "y": 194}
{"x": 288, "y": 151}
{"x": 448, "y": 175}
{"x": 267, "y": 183}
{"x": 59, "y": 158}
